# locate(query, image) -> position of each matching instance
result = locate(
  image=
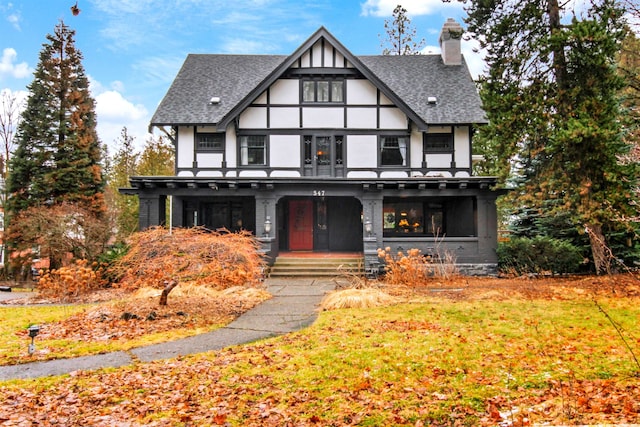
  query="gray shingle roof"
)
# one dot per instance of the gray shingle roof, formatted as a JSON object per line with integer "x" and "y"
{"x": 229, "y": 77}
{"x": 412, "y": 78}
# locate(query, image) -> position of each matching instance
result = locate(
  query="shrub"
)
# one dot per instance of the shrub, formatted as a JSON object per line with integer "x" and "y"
{"x": 71, "y": 281}
{"x": 410, "y": 269}
{"x": 537, "y": 255}
{"x": 218, "y": 259}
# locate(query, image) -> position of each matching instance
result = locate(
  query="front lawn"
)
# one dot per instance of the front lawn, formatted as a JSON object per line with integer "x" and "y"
{"x": 469, "y": 352}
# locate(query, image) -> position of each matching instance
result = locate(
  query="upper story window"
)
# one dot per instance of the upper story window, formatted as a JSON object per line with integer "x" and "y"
{"x": 253, "y": 150}
{"x": 438, "y": 143}
{"x": 210, "y": 141}
{"x": 326, "y": 90}
{"x": 393, "y": 151}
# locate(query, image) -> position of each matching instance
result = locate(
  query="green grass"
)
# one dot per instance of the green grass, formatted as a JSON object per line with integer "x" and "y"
{"x": 13, "y": 347}
{"x": 435, "y": 362}
{"x": 15, "y": 319}
{"x": 461, "y": 354}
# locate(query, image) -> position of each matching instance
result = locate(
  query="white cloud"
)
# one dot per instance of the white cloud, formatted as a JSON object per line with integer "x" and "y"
{"x": 8, "y": 66}
{"x": 243, "y": 46}
{"x": 114, "y": 112}
{"x": 384, "y": 8}
{"x": 14, "y": 20}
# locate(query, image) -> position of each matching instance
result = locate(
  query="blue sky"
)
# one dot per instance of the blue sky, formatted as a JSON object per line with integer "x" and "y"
{"x": 133, "y": 48}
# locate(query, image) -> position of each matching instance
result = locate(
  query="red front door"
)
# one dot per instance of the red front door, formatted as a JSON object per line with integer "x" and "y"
{"x": 301, "y": 225}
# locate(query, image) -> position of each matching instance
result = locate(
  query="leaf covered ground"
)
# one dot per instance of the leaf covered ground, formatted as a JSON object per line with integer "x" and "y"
{"x": 128, "y": 320}
{"x": 488, "y": 352}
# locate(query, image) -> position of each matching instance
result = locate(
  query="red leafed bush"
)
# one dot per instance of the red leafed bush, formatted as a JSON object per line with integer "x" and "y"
{"x": 410, "y": 269}
{"x": 219, "y": 259}
{"x": 71, "y": 281}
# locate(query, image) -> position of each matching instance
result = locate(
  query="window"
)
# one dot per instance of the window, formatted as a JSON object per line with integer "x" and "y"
{"x": 393, "y": 151}
{"x": 253, "y": 150}
{"x": 210, "y": 141}
{"x": 438, "y": 142}
{"x": 323, "y": 91}
{"x": 403, "y": 218}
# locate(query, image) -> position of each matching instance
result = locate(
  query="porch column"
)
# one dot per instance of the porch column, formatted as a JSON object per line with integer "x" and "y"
{"x": 371, "y": 212}
{"x": 152, "y": 210}
{"x": 266, "y": 212}
{"x": 487, "y": 228}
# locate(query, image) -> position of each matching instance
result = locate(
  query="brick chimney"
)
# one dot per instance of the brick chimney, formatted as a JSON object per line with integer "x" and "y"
{"x": 450, "y": 37}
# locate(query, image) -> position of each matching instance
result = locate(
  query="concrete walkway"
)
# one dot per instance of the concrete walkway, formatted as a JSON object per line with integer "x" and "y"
{"x": 293, "y": 306}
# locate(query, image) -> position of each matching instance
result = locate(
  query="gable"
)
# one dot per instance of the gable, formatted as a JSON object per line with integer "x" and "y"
{"x": 238, "y": 80}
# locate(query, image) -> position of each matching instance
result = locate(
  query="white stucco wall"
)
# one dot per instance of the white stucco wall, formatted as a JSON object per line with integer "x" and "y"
{"x": 185, "y": 147}
{"x": 361, "y": 92}
{"x": 284, "y": 151}
{"x": 209, "y": 173}
{"x": 361, "y": 118}
{"x": 462, "y": 146}
{"x": 254, "y": 118}
{"x": 284, "y": 117}
{"x": 415, "y": 144}
{"x": 384, "y": 100}
{"x": 209, "y": 160}
{"x": 362, "y": 151}
{"x": 392, "y": 118}
{"x": 284, "y": 91}
{"x": 230, "y": 147}
{"x": 262, "y": 99}
{"x": 438, "y": 160}
{"x": 322, "y": 117}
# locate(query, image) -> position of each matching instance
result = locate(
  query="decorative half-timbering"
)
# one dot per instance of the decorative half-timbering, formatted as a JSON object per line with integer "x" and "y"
{"x": 323, "y": 150}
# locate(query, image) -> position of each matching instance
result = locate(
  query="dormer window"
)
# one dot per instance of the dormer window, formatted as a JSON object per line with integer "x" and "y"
{"x": 323, "y": 90}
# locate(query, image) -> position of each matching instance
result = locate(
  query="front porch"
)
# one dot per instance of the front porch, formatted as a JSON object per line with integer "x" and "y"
{"x": 331, "y": 215}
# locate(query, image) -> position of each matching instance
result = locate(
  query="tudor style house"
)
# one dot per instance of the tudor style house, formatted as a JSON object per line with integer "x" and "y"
{"x": 326, "y": 151}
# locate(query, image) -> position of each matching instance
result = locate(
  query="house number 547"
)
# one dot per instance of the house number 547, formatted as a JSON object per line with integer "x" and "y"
{"x": 318, "y": 193}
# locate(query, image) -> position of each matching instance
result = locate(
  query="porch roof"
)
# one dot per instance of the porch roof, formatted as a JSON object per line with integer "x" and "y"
{"x": 141, "y": 183}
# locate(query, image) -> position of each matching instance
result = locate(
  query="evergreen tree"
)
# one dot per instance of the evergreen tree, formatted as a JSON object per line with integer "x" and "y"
{"x": 400, "y": 35}
{"x": 124, "y": 165}
{"x": 157, "y": 158}
{"x": 552, "y": 96}
{"x": 58, "y": 152}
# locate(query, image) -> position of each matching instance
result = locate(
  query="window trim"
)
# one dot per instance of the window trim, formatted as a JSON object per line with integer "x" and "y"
{"x": 330, "y": 82}
{"x": 199, "y": 135}
{"x": 265, "y": 142}
{"x": 407, "y": 149}
{"x": 430, "y": 150}
{"x": 427, "y": 210}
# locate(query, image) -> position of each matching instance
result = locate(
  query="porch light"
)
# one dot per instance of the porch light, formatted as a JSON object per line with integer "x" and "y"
{"x": 33, "y": 331}
{"x": 368, "y": 227}
{"x": 267, "y": 226}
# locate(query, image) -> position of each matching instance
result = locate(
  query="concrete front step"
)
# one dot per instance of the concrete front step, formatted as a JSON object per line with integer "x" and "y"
{"x": 307, "y": 266}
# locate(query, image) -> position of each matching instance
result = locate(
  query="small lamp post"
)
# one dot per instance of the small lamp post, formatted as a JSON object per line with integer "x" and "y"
{"x": 33, "y": 331}
{"x": 267, "y": 226}
{"x": 368, "y": 227}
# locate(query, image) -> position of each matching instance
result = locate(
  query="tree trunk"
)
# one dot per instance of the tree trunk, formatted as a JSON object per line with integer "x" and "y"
{"x": 169, "y": 285}
{"x": 601, "y": 253}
